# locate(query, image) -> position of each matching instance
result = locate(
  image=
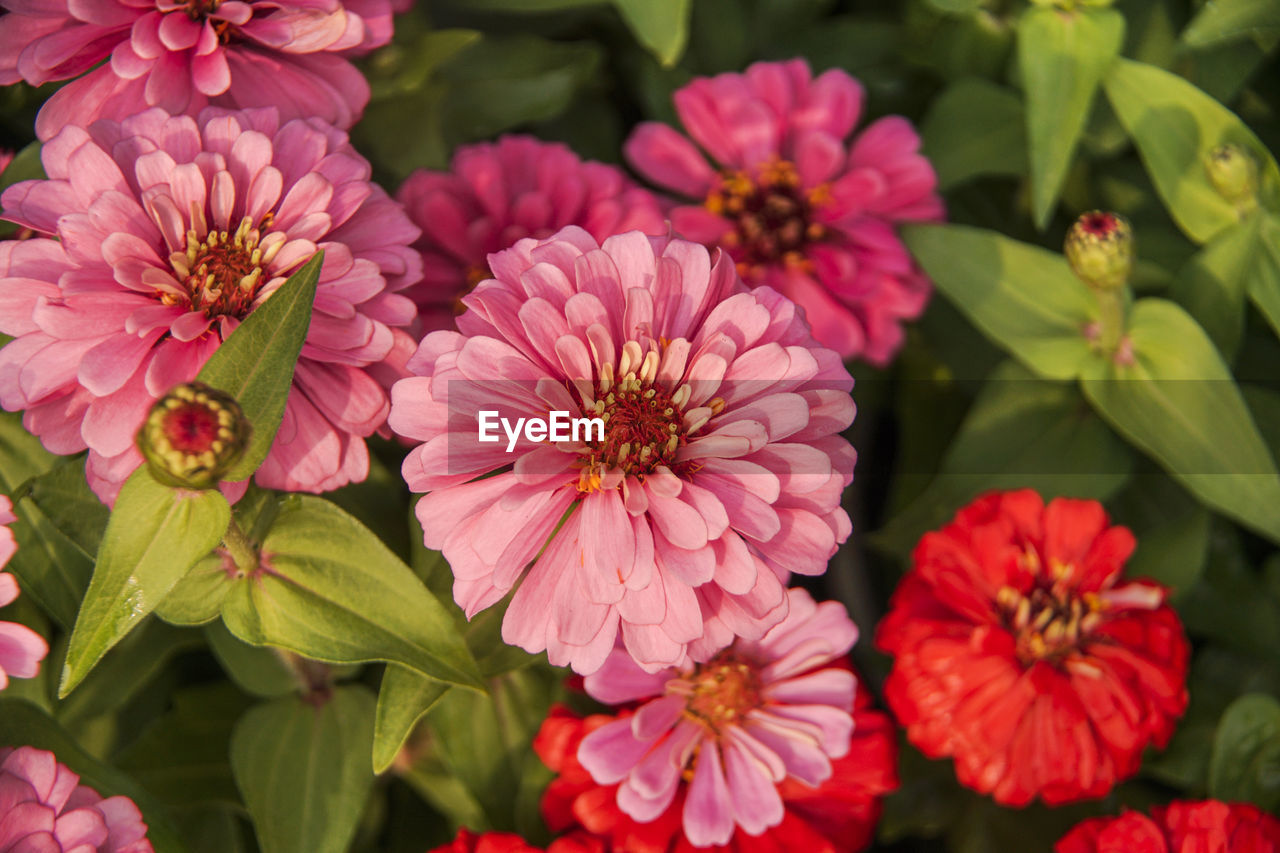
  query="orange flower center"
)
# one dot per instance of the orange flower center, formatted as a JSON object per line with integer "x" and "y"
{"x": 1050, "y": 621}
{"x": 772, "y": 216}
{"x": 222, "y": 272}
{"x": 474, "y": 275}
{"x": 722, "y": 691}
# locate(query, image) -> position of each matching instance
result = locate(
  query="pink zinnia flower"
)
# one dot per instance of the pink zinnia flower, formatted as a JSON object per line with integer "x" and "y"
{"x": 720, "y": 469}
{"x": 21, "y": 649}
{"x": 796, "y": 208}
{"x": 499, "y": 192}
{"x": 738, "y": 725}
{"x": 170, "y": 230}
{"x": 42, "y": 808}
{"x": 184, "y": 55}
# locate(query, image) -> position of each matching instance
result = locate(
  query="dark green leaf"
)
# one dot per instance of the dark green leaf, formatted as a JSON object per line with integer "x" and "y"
{"x": 63, "y": 495}
{"x": 1062, "y": 56}
{"x": 154, "y": 536}
{"x": 257, "y": 670}
{"x": 255, "y": 363}
{"x": 1245, "y": 766}
{"x": 1213, "y": 285}
{"x": 331, "y": 591}
{"x": 1022, "y": 297}
{"x": 303, "y": 768}
{"x": 975, "y": 127}
{"x": 404, "y": 698}
{"x": 1263, "y": 274}
{"x": 1178, "y": 403}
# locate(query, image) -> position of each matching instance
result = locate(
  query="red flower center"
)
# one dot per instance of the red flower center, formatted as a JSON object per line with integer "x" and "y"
{"x": 722, "y": 691}
{"x": 222, "y": 272}
{"x": 772, "y": 215}
{"x": 1049, "y": 621}
{"x": 191, "y": 428}
{"x": 1099, "y": 224}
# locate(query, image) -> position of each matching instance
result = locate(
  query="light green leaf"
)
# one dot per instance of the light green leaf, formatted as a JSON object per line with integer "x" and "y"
{"x": 1175, "y": 126}
{"x": 404, "y": 698}
{"x": 1022, "y": 297}
{"x": 154, "y": 536}
{"x": 255, "y": 363}
{"x": 1226, "y": 20}
{"x": 197, "y": 596}
{"x": 303, "y": 768}
{"x": 331, "y": 591}
{"x": 1263, "y": 275}
{"x": 662, "y": 26}
{"x": 23, "y": 724}
{"x": 1178, "y": 403}
{"x": 974, "y": 128}
{"x": 1245, "y": 766}
{"x": 1213, "y": 285}
{"x": 1062, "y": 56}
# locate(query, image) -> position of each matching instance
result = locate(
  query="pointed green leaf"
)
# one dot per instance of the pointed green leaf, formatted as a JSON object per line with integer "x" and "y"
{"x": 1062, "y": 55}
{"x": 1213, "y": 285}
{"x": 1175, "y": 126}
{"x": 23, "y": 724}
{"x": 332, "y": 591}
{"x": 975, "y": 127}
{"x": 662, "y": 26}
{"x": 1226, "y": 20}
{"x": 1179, "y": 404}
{"x": 197, "y": 596}
{"x": 255, "y": 363}
{"x": 303, "y": 768}
{"x": 1245, "y": 765}
{"x": 404, "y": 698}
{"x": 1022, "y": 297}
{"x": 154, "y": 536}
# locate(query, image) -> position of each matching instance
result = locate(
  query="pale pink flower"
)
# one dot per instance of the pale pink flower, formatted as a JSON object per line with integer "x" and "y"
{"x": 21, "y": 649}
{"x": 170, "y": 230}
{"x": 43, "y": 809}
{"x": 796, "y": 207}
{"x": 754, "y": 715}
{"x": 496, "y": 193}
{"x": 720, "y": 471}
{"x": 184, "y": 55}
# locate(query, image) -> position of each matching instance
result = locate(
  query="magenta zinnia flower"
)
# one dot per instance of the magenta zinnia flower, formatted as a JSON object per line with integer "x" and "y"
{"x": 719, "y": 472}
{"x": 169, "y": 232}
{"x": 736, "y": 726}
{"x": 184, "y": 55}
{"x": 499, "y": 192}
{"x": 21, "y": 649}
{"x": 42, "y": 808}
{"x": 796, "y": 208}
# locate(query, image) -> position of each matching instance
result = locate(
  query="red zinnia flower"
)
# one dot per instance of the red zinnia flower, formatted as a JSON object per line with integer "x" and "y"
{"x": 1022, "y": 654}
{"x": 1210, "y": 826}
{"x": 467, "y": 841}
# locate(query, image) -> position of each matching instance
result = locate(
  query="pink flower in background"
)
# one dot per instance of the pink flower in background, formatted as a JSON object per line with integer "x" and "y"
{"x": 797, "y": 208}
{"x": 500, "y": 192}
{"x": 21, "y": 649}
{"x": 169, "y": 232}
{"x": 720, "y": 469}
{"x": 754, "y": 715}
{"x": 184, "y": 56}
{"x": 44, "y": 809}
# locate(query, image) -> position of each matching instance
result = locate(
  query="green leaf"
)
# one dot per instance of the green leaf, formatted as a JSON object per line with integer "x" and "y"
{"x": 303, "y": 768}
{"x": 1062, "y": 56}
{"x": 1263, "y": 275}
{"x": 256, "y": 670}
{"x": 331, "y": 591}
{"x": 974, "y": 128}
{"x": 198, "y": 595}
{"x": 1178, "y": 403}
{"x": 1022, "y": 297}
{"x": 1245, "y": 766}
{"x": 22, "y": 723}
{"x": 255, "y": 363}
{"x": 1213, "y": 285}
{"x": 1175, "y": 126}
{"x": 404, "y": 698}
{"x": 1226, "y": 20}
{"x": 64, "y": 497}
{"x": 154, "y": 536}
{"x": 1172, "y": 530}
{"x": 662, "y": 26}
{"x": 1021, "y": 432}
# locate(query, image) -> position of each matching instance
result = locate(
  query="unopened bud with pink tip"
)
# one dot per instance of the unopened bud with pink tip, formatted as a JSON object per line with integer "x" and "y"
{"x": 1099, "y": 248}
{"x": 193, "y": 436}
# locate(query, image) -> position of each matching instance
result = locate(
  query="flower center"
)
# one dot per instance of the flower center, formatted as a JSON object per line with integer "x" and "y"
{"x": 1049, "y": 621}
{"x": 221, "y": 273}
{"x": 721, "y": 692}
{"x": 198, "y": 11}
{"x": 474, "y": 275}
{"x": 772, "y": 216}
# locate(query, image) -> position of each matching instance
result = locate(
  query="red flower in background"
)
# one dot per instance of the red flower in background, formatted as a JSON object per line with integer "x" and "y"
{"x": 1209, "y": 826}
{"x": 838, "y": 815}
{"x": 1022, "y": 654}
{"x": 467, "y": 841}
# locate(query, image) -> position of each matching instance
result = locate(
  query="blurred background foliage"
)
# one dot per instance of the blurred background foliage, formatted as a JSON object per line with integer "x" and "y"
{"x": 1028, "y": 123}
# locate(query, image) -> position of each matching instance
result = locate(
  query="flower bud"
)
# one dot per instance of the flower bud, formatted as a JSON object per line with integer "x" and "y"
{"x": 193, "y": 436}
{"x": 1099, "y": 248}
{"x": 1233, "y": 171}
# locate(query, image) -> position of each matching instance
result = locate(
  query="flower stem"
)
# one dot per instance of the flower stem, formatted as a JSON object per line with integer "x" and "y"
{"x": 241, "y": 549}
{"x": 1111, "y": 317}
